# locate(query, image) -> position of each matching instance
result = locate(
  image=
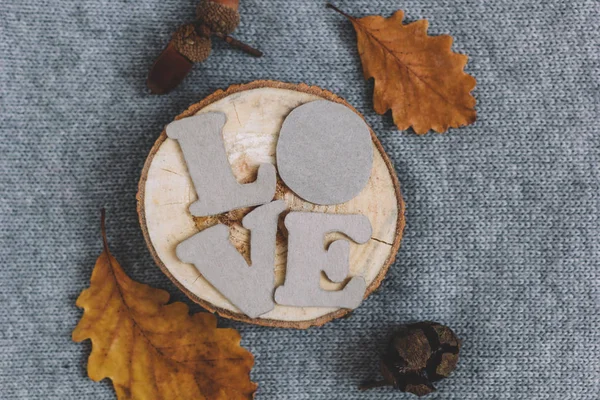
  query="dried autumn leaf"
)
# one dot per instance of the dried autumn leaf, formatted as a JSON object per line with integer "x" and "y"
{"x": 154, "y": 350}
{"x": 416, "y": 75}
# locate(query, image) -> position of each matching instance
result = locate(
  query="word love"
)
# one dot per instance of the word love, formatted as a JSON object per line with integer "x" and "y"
{"x": 324, "y": 154}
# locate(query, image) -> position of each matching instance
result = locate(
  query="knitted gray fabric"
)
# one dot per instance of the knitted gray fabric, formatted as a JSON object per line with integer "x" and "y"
{"x": 502, "y": 241}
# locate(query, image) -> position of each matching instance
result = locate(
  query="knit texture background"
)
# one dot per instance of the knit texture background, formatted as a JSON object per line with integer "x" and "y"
{"x": 502, "y": 241}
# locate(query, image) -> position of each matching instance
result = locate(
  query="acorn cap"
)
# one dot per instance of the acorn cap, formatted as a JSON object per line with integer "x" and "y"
{"x": 418, "y": 355}
{"x": 194, "y": 47}
{"x": 218, "y": 17}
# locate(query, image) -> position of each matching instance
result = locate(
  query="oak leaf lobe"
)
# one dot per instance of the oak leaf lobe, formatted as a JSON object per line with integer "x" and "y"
{"x": 154, "y": 350}
{"x": 417, "y": 76}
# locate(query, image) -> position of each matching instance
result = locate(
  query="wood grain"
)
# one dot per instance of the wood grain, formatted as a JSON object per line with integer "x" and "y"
{"x": 255, "y": 112}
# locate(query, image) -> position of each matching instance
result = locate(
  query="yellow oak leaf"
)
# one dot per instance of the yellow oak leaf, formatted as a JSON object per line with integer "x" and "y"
{"x": 417, "y": 76}
{"x": 154, "y": 350}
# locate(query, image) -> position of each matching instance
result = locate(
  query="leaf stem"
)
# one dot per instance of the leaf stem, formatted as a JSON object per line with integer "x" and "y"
{"x": 334, "y": 8}
{"x": 103, "y": 230}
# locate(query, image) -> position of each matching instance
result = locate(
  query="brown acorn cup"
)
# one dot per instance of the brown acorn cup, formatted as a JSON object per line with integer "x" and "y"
{"x": 191, "y": 43}
{"x": 417, "y": 356}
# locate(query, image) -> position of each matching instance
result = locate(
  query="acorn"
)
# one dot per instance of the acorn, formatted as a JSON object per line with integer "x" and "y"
{"x": 220, "y": 16}
{"x": 417, "y": 356}
{"x": 191, "y": 43}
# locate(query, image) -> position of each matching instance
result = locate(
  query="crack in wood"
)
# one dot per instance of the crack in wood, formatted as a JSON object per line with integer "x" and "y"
{"x": 173, "y": 172}
{"x": 381, "y": 241}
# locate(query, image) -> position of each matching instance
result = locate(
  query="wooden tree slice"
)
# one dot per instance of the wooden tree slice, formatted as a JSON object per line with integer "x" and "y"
{"x": 255, "y": 113}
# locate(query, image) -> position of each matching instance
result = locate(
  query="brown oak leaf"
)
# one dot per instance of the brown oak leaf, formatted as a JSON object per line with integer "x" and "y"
{"x": 416, "y": 75}
{"x": 154, "y": 350}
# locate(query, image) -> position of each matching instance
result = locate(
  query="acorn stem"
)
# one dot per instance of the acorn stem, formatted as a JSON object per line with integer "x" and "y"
{"x": 239, "y": 45}
{"x": 373, "y": 384}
